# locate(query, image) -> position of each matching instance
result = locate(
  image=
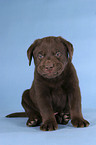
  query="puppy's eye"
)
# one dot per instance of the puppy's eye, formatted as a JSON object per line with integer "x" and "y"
{"x": 40, "y": 56}
{"x": 58, "y": 54}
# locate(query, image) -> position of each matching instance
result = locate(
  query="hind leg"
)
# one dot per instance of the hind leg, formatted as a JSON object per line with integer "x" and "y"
{"x": 64, "y": 116}
{"x": 31, "y": 110}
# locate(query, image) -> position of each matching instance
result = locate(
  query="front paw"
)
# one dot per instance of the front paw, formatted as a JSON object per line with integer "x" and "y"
{"x": 79, "y": 122}
{"x": 49, "y": 125}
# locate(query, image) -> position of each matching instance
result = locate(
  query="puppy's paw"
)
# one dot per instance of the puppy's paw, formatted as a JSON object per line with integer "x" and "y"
{"x": 33, "y": 122}
{"x": 78, "y": 122}
{"x": 49, "y": 125}
{"x": 62, "y": 118}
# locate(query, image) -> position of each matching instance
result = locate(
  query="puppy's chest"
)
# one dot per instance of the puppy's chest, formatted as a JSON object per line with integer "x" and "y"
{"x": 58, "y": 99}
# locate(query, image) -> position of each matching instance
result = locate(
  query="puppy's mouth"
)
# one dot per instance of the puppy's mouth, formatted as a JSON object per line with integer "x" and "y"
{"x": 50, "y": 72}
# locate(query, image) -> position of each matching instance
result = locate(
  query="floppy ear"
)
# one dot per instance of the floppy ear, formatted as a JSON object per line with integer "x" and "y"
{"x": 31, "y": 49}
{"x": 69, "y": 47}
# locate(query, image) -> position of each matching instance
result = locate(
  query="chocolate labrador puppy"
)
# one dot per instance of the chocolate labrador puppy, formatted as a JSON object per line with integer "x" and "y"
{"x": 55, "y": 94}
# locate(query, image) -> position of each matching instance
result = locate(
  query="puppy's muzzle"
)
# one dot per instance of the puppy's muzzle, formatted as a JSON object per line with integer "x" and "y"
{"x": 49, "y": 66}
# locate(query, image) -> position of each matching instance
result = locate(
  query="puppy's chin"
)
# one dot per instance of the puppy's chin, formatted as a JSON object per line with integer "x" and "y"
{"x": 50, "y": 75}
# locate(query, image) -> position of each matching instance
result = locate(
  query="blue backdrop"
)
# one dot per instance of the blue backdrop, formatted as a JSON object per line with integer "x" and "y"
{"x": 23, "y": 21}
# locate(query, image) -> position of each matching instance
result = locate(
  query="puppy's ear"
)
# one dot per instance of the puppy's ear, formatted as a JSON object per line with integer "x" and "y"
{"x": 31, "y": 49}
{"x": 69, "y": 47}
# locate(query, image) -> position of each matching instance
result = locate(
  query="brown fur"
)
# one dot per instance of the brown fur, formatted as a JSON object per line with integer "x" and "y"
{"x": 55, "y": 94}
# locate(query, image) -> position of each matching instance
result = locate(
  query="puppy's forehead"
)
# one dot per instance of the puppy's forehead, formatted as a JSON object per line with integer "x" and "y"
{"x": 50, "y": 44}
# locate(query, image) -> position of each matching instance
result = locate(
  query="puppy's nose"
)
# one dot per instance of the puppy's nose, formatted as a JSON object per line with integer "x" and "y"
{"x": 49, "y": 65}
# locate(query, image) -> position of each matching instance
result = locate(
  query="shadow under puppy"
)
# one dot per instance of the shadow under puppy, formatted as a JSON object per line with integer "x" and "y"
{"x": 55, "y": 94}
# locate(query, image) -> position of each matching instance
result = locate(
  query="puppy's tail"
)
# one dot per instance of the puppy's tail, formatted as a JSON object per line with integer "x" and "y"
{"x": 18, "y": 114}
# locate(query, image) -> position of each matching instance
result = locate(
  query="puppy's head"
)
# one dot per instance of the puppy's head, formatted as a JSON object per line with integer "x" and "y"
{"x": 51, "y": 55}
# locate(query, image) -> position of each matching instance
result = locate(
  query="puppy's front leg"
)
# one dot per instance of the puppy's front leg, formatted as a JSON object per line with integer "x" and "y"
{"x": 75, "y": 109}
{"x": 44, "y": 104}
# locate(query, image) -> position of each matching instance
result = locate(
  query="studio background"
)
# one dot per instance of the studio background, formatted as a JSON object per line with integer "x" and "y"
{"x": 23, "y": 21}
